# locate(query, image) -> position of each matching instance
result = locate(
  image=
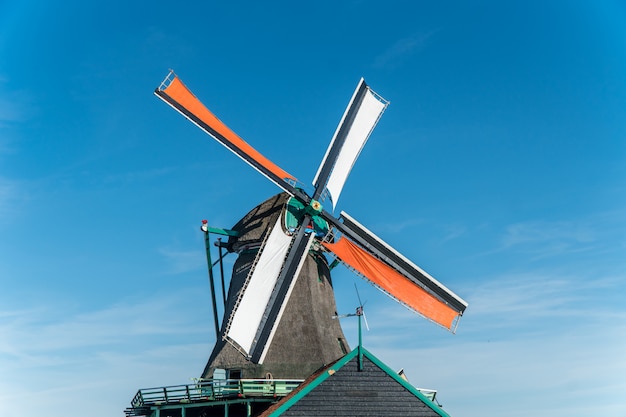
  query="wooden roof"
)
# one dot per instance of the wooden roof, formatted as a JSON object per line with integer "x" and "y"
{"x": 342, "y": 389}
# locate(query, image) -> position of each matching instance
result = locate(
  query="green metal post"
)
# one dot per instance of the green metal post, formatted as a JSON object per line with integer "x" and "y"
{"x": 360, "y": 313}
{"x": 219, "y": 247}
{"x": 360, "y": 344}
{"x": 207, "y": 245}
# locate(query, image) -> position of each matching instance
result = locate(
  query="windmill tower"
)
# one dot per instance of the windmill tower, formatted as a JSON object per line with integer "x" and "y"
{"x": 306, "y": 337}
{"x": 279, "y": 309}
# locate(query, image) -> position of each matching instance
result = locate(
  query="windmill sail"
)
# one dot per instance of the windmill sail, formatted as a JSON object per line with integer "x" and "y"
{"x": 280, "y": 294}
{"x": 393, "y": 273}
{"x": 393, "y": 283}
{"x": 355, "y": 127}
{"x": 176, "y": 94}
{"x": 245, "y": 320}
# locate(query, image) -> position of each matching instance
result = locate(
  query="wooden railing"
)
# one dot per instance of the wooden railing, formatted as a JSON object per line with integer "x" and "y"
{"x": 216, "y": 389}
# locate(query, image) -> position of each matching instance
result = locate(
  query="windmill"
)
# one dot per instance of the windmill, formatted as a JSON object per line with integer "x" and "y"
{"x": 282, "y": 243}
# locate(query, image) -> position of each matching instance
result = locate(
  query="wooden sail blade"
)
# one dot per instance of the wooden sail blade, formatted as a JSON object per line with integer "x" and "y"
{"x": 355, "y": 127}
{"x": 245, "y": 319}
{"x": 281, "y": 292}
{"x": 177, "y": 95}
{"x": 262, "y": 300}
{"x": 367, "y": 240}
{"x": 393, "y": 283}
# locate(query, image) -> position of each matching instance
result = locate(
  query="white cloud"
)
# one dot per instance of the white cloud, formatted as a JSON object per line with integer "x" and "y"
{"x": 138, "y": 176}
{"x": 539, "y": 239}
{"x": 398, "y": 226}
{"x": 42, "y": 330}
{"x": 541, "y": 345}
{"x": 11, "y": 193}
{"x": 9, "y": 112}
{"x": 543, "y": 239}
{"x": 403, "y": 48}
{"x": 536, "y": 294}
{"x": 14, "y": 104}
{"x": 453, "y": 232}
{"x": 181, "y": 261}
{"x": 52, "y": 359}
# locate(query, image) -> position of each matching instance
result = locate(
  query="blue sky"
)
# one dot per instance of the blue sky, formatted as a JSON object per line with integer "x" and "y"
{"x": 499, "y": 167}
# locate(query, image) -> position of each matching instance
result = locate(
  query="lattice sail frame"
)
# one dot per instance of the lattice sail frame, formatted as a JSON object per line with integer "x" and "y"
{"x": 334, "y": 235}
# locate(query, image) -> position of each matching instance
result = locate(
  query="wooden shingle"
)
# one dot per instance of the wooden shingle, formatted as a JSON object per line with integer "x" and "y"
{"x": 347, "y": 389}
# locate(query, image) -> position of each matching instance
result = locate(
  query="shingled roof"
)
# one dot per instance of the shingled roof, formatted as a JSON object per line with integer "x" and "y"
{"x": 358, "y": 384}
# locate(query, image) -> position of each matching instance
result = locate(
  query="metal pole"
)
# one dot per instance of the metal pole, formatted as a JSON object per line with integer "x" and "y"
{"x": 211, "y": 281}
{"x": 219, "y": 246}
{"x": 360, "y": 313}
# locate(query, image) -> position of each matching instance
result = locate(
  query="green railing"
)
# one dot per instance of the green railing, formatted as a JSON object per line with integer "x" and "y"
{"x": 428, "y": 393}
{"x": 214, "y": 390}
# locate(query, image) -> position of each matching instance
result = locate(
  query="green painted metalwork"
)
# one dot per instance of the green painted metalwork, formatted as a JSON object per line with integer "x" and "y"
{"x": 225, "y": 232}
{"x": 334, "y": 264}
{"x": 207, "y": 246}
{"x": 221, "y": 256}
{"x": 360, "y": 347}
{"x": 214, "y": 390}
{"x": 212, "y": 393}
{"x": 314, "y": 208}
{"x": 157, "y": 410}
{"x": 295, "y": 213}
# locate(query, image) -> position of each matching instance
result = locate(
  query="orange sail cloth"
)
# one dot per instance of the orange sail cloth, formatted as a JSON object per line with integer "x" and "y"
{"x": 177, "y": 91}
{"x": 394, "y": 283}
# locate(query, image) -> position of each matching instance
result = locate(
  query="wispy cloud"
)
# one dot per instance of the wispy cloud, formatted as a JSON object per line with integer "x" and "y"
{"x": 15, "y": 108}
{"x": 399, "y": 226}
{"x": 538, "y": 232}
{"x": 180, "y": 261}
{"x": 59, "y": 357}
{"x": 562, "y": 369}
{"x": 493, "y": 310}
{"x": 402, "y": 49}
{"x": 545, "y": 299}
{"x": 9, "y": 111}
{"x": 14, "y": 104}
{"x": 11, "y": 193}
{"x": 522, "y": 304}
{"x": 453, "y": 232}
{"x": 138, "y": 176}
{"x": 557, "y": 339}
{"x": 541, "y": 239}
{"x": 35, "y": 333}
